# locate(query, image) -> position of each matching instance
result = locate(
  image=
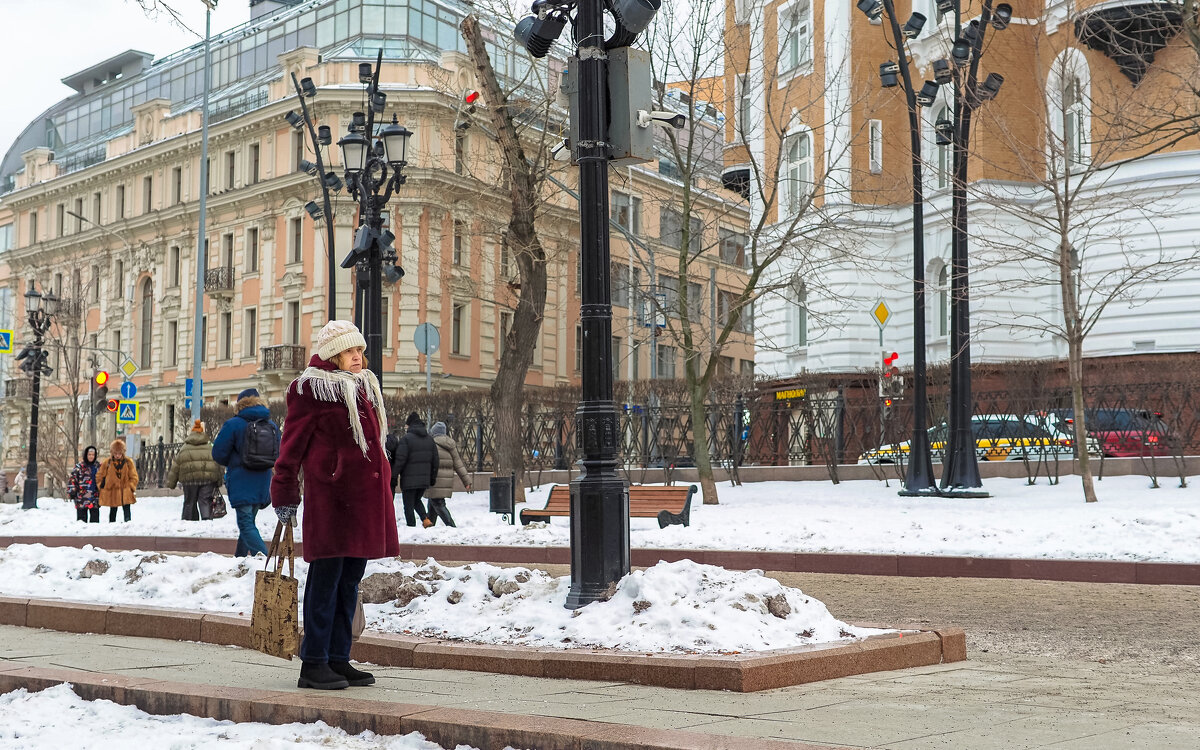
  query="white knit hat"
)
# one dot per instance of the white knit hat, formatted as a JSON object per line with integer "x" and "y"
{"x": 336, "y": 337}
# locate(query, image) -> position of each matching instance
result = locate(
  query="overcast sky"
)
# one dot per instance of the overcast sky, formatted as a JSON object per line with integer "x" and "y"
{"x": 44, "y": 41}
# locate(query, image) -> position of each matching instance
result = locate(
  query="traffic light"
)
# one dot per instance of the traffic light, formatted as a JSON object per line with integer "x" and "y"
{"x": 466, "y": 108}
{"x": 889, "y": 376}
{"x": 885, "y": 407}
{"x": 111, "y": 405}
{"x": 99, "y": 392}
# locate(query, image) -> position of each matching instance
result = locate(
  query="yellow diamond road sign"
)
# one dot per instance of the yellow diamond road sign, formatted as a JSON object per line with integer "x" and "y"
{"x": 129, "y": 367}
{"x": 881, "y": 313}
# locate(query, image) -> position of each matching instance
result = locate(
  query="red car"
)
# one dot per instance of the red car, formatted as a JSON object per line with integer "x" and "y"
{"x": 1122, "y": 433}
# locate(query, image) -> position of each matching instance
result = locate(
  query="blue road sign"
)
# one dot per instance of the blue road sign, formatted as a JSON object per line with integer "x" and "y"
{"x": 187, "y": 404}
{"x": 187, "y": 387}
{"x": 127, "y": 412}
{"x": 128, "y": 389}
{"x": 6, "y": 339}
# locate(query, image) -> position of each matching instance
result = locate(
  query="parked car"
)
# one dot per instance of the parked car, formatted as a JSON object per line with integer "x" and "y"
{"x": 998, "y": 437}
{"x": 1120, "y": 432}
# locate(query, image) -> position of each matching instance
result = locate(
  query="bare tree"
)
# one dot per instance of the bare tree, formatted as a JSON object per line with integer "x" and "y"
{"x": 1071, "y": 213}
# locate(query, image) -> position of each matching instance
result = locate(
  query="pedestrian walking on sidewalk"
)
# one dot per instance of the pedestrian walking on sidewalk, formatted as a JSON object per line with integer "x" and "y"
{"x": 200, "y": 474}
{"x": 118, "y": 481}
{"x": 334, "y": 433}
{"x": 415, "y": 464}
{"x": 443, "y": 487}
{"x": 82, "y": 489}
{"x": 247, "y": 446}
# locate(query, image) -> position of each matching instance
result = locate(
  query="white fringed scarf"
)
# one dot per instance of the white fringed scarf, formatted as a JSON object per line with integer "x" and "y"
{"x": 336, "y": 386}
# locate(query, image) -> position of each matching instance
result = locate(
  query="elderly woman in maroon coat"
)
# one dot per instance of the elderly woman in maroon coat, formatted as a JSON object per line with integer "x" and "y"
{"x": 334, "y": 432}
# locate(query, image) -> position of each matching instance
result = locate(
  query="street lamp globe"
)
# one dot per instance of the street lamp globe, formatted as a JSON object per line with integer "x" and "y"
{"x": 51, "y": 301}
{"x": 395, "y": 142}
{"x": 33, "y": 301}
{"x": 354, "y": 152}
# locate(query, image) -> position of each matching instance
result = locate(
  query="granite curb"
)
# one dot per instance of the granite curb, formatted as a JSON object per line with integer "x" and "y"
{"x": 737, "y": 672}
{"x": 447, "y": 727}
{"x": 921, "y": 566}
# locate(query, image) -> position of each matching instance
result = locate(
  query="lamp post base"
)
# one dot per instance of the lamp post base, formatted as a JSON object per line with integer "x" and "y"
{"x": 599, "y": 537}
{"x": 29, "y": 496}
{"x": 963, "y": 492}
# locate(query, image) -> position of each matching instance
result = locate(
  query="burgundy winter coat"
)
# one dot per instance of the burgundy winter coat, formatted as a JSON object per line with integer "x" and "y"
{"x": 348, "y": 502}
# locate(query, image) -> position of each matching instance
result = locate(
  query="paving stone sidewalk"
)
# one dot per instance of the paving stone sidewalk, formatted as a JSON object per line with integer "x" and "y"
{"x": 988, "y": 702}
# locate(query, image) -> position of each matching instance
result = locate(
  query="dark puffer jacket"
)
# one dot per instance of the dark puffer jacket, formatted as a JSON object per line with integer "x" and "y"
{"x": 416, "y": 460}
{"x": 194, "y": 464}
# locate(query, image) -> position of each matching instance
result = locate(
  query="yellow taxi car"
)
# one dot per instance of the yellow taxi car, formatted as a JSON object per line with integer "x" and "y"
{"x": 998, "y": 437}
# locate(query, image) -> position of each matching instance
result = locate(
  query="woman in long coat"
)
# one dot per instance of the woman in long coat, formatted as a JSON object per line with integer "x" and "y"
{"x": 81, "y": 486}
{"x": 334, "y": 433}
{"x": 118, "y": 481}
{"x": 443, "y": 486}
{"x": 200, "y": 474}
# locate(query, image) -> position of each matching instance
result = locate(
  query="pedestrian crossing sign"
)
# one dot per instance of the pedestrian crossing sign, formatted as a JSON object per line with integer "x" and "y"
{"x": 6, "y": 339}
{"x": 127, "y": 412}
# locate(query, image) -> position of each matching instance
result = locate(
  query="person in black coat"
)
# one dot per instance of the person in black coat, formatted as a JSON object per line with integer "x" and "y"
{"x": 415, "y": 466}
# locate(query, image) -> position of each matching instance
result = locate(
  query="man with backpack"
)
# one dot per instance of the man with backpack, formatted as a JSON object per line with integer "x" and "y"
{"x": 247, "y": 447}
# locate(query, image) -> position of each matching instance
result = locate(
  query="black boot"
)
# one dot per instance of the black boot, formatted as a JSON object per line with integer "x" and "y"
{"x": 356, "y": 677}
{"x": 320, "y": 677}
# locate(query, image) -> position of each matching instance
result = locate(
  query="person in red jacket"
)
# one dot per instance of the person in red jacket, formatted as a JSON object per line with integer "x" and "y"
{"x": 334, "y": 432}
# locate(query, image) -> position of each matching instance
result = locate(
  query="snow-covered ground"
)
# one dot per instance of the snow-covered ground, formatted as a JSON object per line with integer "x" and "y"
{"x": 1130, "y": 522}
{"x": 671, "y": 607}
{"x": 57, "y": 718}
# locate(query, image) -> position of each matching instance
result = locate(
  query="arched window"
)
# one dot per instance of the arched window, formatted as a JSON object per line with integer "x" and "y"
{"x": 1068, "y": 105}
{"x": 943, "y": 286}
{"x": 147, "y": 323}
{"x": 797, "y": 170}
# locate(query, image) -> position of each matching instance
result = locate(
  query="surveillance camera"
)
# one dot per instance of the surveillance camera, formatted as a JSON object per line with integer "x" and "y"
{"x": 561, "y": 152}
{"x": 670, "y": 119}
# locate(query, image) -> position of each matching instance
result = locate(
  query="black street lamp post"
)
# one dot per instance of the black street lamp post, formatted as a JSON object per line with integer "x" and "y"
{"x": 33, "y": 360}
{"x": 374, "y": 164}
{"x": 328, "y": 180}
{"x": 919, "y": 478}
{"x": 960, "y": 471}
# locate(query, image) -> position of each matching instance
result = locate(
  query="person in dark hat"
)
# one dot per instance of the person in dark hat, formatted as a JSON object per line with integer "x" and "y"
{"x": 415, "y": 466}
{"x": 247, "y": 446}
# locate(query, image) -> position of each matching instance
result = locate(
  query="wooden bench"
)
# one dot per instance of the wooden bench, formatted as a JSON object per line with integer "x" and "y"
{"x": 670, "y": 505}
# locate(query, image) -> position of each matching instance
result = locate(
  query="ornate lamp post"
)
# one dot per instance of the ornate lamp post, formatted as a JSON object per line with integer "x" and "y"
{"x": 374, "y": 164}
{"x": 33, "y": 361}
{"x": 960, "y": 471}
{"x": 919, "y": 479}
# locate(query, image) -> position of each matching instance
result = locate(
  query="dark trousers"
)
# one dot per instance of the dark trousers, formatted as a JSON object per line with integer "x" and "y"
{"x": 413, "y": 504}
{"x": 438, "y": 509}
{"x": 197, "y": 502}
{"x": 330, "y": 596}
{"x": 88, "y": 515}
{"x": 112, "y": 514}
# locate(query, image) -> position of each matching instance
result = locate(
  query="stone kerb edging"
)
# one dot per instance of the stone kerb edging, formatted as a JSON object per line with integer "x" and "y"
{"x": 447, "y": 727}
{"x": 938, "y": 566}
{"x": 742, "y": 673}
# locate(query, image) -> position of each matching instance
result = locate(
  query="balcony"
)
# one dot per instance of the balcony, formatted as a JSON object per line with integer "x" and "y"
{"x": 21, "y": 388}
{"x": 1129, "y": 33}
{"x": 218, "y": 281}
{"x": 284, "y": 358}
{"x": 72, "y": 307}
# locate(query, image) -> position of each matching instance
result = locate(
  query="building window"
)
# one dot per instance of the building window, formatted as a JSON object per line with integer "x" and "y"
{"x": 458, "y": 332}
{"x": 118, "y": 281}
{"x": 460, "y": 243}
{"x": 78, "y": 217}
{"x": 626, "y": 211}
{"x": 227, "y": 250}
{"x": 230, "y": 170}
{"x": 578, "y": 348}
{"x": 204, "y": 338}
{"x": 670, "y": 226}
{"x": 250, "y": 333}
{"x": 255, "y": 151}
{"x": 297, "y": 150}
{"x": 385, "y": 305}
{"x": 619, "y": 274}
{"x": 943, "y": 283}
{"x": 747, "y": 368}
{"x": 875, "y": 146}
{"x": 177, "y": 185}
{"x": 795, "y": 36}
{"x": 743, "y": 108}
{"x": 172, "y": 349}
{"x": 292, "y": 321}
{"x": 460, "y": 152}
{"x": 945, "y": 154}
{"x": 617, "y": 357}
{"x": 295, "y": 239}
{"x": 508, "y": 268}
{"x": 733, "y": 247}
{"x": 252, "y": 249}
{"x": 668, "y": 295}
{"x": 695, "y": 300}
{"x": 799, "y": 306}
{"x": 33, "y": 227}
{"x": 724, "y": 366}
{"x": 147, "y": 194}
{"x": 60, "y": 220}
{"x": 120, "y": 208}
{"x": 226, "y": 335}
{"x": 6, "y": 238}
{"x": 96, "y": 208}
{"x": 1073, "y": 120}
{"x": 94, "y": 284}
{"x": 173, "y": 271}
{"x": 666, "y": 362}
{"x": 797, "y": 171}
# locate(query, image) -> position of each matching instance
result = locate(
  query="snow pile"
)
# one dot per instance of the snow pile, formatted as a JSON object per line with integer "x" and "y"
{"x": 672, "y": 607}
{"x": 56, "y": 718}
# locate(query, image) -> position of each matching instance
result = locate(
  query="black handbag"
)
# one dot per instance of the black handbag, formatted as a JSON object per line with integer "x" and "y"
{"x": 219, "y": 509}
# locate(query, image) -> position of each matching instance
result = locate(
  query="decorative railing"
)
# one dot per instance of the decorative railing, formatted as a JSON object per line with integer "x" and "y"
{"x": 284, "y": 357}
{"x": 218, "y": 279}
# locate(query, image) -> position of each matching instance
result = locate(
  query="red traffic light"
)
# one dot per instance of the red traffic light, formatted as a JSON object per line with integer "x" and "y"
{"x": 112, "y": 404}
{"x": 888, "y": 360}
{"x": 887, "y": 402}
{"x": 101, "y": 378}
{"x": 471, "y": 97}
